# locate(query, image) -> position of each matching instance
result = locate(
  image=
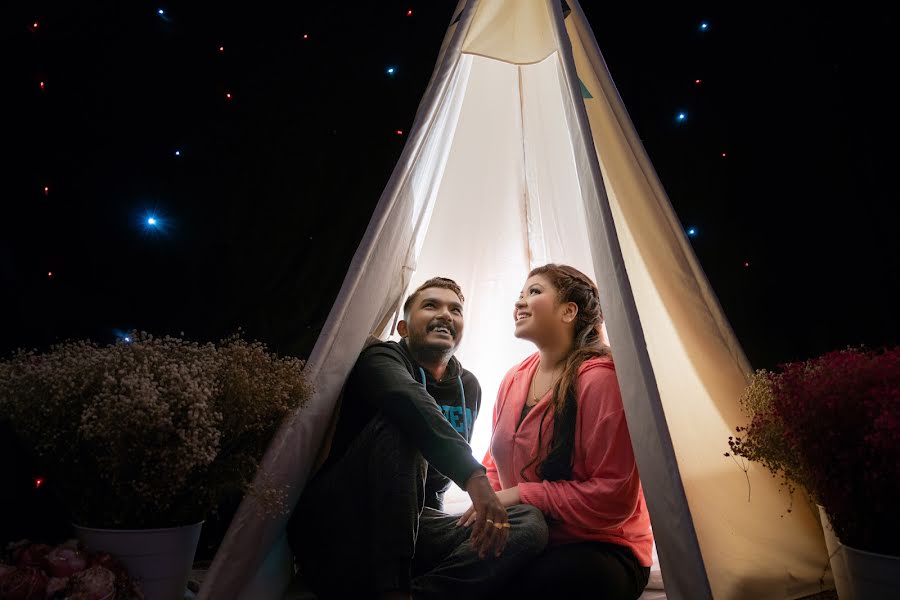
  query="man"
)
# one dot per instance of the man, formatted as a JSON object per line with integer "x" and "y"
{"x": 369, "y": 523}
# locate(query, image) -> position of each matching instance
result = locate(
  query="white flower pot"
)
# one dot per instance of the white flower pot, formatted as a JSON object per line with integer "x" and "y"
{"x": 159, "y": 560}
{"x": 872, "y": 575}
{"x": 836, "y": 554}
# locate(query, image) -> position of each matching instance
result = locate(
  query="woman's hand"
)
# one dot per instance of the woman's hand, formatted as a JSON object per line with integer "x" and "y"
{"x": 491, "y": 523}
{"x": 508, "y": 497}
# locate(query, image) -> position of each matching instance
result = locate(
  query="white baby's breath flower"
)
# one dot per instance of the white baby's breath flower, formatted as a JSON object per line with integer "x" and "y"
{"x": 153, "y": 431}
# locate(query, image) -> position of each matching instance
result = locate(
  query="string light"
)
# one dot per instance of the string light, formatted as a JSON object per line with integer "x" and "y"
{"x": 42, "y": 85}
{"x": 698, "y": 81}
{"x": 704, "y": 26}
{"x": 399, "y": 132}
{"x": 122, "y": 335}
{"x": 391, "y": 70}
{"x": 409, "y": 13}
{"x": 161, "y": 12}
{"x": 228, "y": 95}
{"x": 305, "y": 36}
{"x": 153, "y": 224}
{"x": 723, "y": 155}
{"x": 681, "y": 118}
{"x": 49, "y": 274}
{"x": 692, "y": 232}
{"x": 46, "y": 190}
{"x": 38, "y": 482}
{"x": 178, "y": 153}
{"x": 221, "y": 49}
{"x": 746, "y": 264}
{"x": 35, "y": 25}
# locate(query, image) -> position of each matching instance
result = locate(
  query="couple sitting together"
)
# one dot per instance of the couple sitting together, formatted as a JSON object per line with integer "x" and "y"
{"x": 557, "y": 507}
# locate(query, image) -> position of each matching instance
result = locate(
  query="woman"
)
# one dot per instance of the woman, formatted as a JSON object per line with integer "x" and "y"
{"x": 560, "y": 443}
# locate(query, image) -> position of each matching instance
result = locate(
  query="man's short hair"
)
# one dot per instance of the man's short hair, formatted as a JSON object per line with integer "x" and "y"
{"x": 434, "y": 282}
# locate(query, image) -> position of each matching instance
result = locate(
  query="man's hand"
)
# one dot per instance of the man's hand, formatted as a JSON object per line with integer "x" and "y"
{"x": 508, "y": 497}
{"x": 491, "y": 524}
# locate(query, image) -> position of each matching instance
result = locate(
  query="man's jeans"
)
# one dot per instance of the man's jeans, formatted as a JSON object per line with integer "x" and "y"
{"x": 361, "y": 528}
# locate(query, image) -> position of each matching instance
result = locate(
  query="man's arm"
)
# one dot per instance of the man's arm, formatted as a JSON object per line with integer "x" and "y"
{"x": 382, "y": 378}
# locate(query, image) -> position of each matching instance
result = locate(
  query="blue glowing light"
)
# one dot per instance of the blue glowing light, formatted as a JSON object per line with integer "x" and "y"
{"x": 153, "y": 223}
{"x": 178, "y": 153}
{"x": 681, "y": 117}
{"x": 704, "y": 26}
{"x": 123, "y": 335}
{"x": 391, "y": 70}
{"x": 692, "y": 232}
{"x": 161, "y": 12}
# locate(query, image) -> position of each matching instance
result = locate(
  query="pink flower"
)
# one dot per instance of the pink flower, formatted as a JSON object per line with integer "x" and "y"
{"x": 32, "y": 555}
{"x": 63, "y": 561}
{"x": 832, "y": 424}
{"x": 95, "y": 583}
{"x": 23, "y": 583}
{"x": 109, "y": 562}
{"x": 14, "y": 548}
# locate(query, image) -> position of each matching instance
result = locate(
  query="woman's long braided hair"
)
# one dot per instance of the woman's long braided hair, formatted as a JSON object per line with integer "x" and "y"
{"x": 572, "y": 286}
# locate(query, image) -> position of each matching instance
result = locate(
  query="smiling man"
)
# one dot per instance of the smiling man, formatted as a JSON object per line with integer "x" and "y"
{"x": 370, "y": 522}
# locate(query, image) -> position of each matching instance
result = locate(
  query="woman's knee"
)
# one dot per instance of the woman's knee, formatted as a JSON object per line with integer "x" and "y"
{"x": 528, "y": 528}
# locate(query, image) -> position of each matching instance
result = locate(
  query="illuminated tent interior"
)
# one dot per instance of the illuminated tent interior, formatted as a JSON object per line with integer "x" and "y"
{"x": 522, "y": 153}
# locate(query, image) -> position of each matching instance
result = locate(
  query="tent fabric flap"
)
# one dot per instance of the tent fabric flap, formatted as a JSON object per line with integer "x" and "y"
{"x": 750, "y": 549}
{"x": 377, "y": 276}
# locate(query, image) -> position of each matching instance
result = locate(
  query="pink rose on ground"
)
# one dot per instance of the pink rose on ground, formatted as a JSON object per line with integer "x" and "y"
{"x": 63, "y": 561}
{"x": 56, "y": 584}
{"x": 23, "y": 583}
{"x": 32, "y": 555}
{"x": 110, "y": 563}
{"x": 96, "y": 583}
{"x": 102, "y": 559}
{"x": 14, "y": 549}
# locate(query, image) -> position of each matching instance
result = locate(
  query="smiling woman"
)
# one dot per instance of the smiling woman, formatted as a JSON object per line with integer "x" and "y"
{"x": 536, "y": 309}
{"x": 563, "y": 443}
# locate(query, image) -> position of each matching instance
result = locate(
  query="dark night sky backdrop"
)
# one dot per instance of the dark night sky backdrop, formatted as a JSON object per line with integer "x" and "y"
{"x": 273, "y": 189}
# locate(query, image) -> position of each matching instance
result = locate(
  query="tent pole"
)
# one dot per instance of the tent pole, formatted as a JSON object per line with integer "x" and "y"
{"x": 681, "y": 560}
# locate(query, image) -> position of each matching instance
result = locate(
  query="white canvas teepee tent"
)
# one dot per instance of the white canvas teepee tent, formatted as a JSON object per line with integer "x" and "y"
{"x": 522, "y": 153}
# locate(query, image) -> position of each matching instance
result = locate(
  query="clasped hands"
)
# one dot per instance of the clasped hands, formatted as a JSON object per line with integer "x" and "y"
{"x": 487, "y": 516}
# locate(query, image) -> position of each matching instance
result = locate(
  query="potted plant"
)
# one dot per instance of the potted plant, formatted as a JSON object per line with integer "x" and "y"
{"x": 147, "y": 436}
{"x": 832, "y": 425}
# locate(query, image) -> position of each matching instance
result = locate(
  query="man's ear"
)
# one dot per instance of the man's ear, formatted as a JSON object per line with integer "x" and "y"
{"x": 402, "y": 328}
{"x": 570, "y": 312}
